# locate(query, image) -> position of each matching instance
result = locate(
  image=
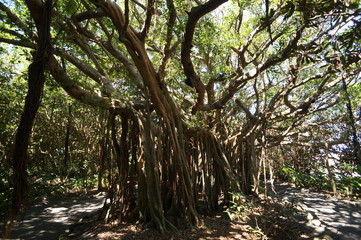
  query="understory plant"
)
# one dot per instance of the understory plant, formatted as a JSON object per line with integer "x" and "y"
{"x": 348, "y": 180}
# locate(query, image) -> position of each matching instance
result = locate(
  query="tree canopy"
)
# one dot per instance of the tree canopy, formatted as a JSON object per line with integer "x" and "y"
{"x": 192, "y": 100}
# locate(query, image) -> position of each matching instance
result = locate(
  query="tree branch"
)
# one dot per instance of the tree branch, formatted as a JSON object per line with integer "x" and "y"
{"x": 245, "y": 109}
{"x": 139, "y": 4}
{"x": 192, "y": 77}
{"x": 91, "y": 72}
{"x": 169, "y": 37}
{"x": 18, "y": 42}
{"x": 96, "y": 13}
{"x": 75, "y": 91}
{"x": 13, "y": 17}
{"x": 134, "y": 75}
{"x": 149, "y": 14}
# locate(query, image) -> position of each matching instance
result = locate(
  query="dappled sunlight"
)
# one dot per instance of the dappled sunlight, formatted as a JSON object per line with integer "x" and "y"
{"x": 214, "y": 228}
{"x": 328, "y": 215}
{"x": 183, "y": 111}
{"x": 48, "y": 219}
{"x": 56, "y": 210}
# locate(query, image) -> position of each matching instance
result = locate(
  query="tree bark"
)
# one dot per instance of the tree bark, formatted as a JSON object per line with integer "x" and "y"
{"x": 36, "y": 79}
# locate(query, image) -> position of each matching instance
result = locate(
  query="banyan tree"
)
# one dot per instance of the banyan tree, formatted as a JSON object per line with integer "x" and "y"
{"x": 199, "y": 94}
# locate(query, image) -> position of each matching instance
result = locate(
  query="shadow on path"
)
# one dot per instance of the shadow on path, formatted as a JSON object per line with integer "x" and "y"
{"x": 338, "y": 219}
{"x": 50, "y": 218}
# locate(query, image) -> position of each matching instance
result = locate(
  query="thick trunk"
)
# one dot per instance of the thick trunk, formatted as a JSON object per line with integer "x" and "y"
{"x": 154, "y": 214}
{"x": 167, "y": 171}
{"x": 35, "y": 88}
{"x": 172, "y": 123}
{"x": 245, "y": 162}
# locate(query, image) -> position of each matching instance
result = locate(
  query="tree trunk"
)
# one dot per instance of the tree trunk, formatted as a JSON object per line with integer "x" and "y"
{"x": 32, "y": 101}
{"x": 103, "y": 156}
{"x": 179, "y": 170}
{"x": 355, "y": 142}
{"x": 331, "y": 174}
{"x": 67, "y": 137}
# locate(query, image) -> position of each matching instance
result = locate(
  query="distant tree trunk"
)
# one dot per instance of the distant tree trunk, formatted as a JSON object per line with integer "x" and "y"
{"x": 67, "y": 137}
{"x": 32, "y": 101}
{"x": 331, "y": 174}
{"x": 101, "y": 162}
{"x": 355, "y": 142}
{"x": 103, "y": 148}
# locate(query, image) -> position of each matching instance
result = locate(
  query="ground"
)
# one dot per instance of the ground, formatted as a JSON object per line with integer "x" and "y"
{"x": 271, "y": 218}
{"x": 48, "y": 218}
{"x": 329, "y": 217}
{"x": 216, "y": 227}
{"x": 292, "y": 213}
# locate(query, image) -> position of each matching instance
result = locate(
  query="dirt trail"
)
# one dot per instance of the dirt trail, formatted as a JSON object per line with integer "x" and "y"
{"x": 330, "y": 218}
{"x": 48, "y": 219}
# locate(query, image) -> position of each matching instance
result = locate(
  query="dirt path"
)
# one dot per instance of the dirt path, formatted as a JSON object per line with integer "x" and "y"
{"x": 50, "y": 218}
{"x": 330, "y": 218}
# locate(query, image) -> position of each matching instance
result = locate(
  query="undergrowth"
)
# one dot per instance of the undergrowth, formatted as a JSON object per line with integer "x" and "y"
{"x": 45, "y": 185}
{"x": 347, "y": 179}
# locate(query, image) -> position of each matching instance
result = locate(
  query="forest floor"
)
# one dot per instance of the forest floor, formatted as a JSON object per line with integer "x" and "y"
{"x": 327, "y": 216}
{"x": 292, "y": 213}
{"x": 48, "y": 218}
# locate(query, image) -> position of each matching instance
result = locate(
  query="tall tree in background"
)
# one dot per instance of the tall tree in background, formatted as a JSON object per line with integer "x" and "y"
{"x": 198, "y": 92}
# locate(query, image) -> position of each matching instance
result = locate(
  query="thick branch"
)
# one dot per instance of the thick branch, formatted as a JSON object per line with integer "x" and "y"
{"x": 18, "y": 42}
{"x": 166, "y": 50}
{"x": 91, "y": 72}
{"x": 75, "y": 91}
{"x": 19, "y": 35}
{"x": 99, "y": 12}
{"x": 13, "y": 17}
{"x": 149, "y": 14}
{"x": 126, "y": 13}
{"x": 36, "y": 7}
{"x": 195, "y": 14}
{"x": 245, "y": 109}
{"x": 287, "y": 101}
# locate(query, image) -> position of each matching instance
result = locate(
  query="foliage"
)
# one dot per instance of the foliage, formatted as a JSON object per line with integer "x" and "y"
{"x": 46, "y": 150}
{"x": 316, "y": 180}
{"x": 50, "y": 185}
{"x": 348, "y": 180}
{"x": 173, "y": 98}
{"x": 5, "y": 191}
{"x": 239, "y": 208}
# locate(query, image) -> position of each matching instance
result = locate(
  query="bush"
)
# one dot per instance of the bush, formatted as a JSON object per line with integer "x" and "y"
{"x": 239, "y": 208}
{"x": 348, "y": 181}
